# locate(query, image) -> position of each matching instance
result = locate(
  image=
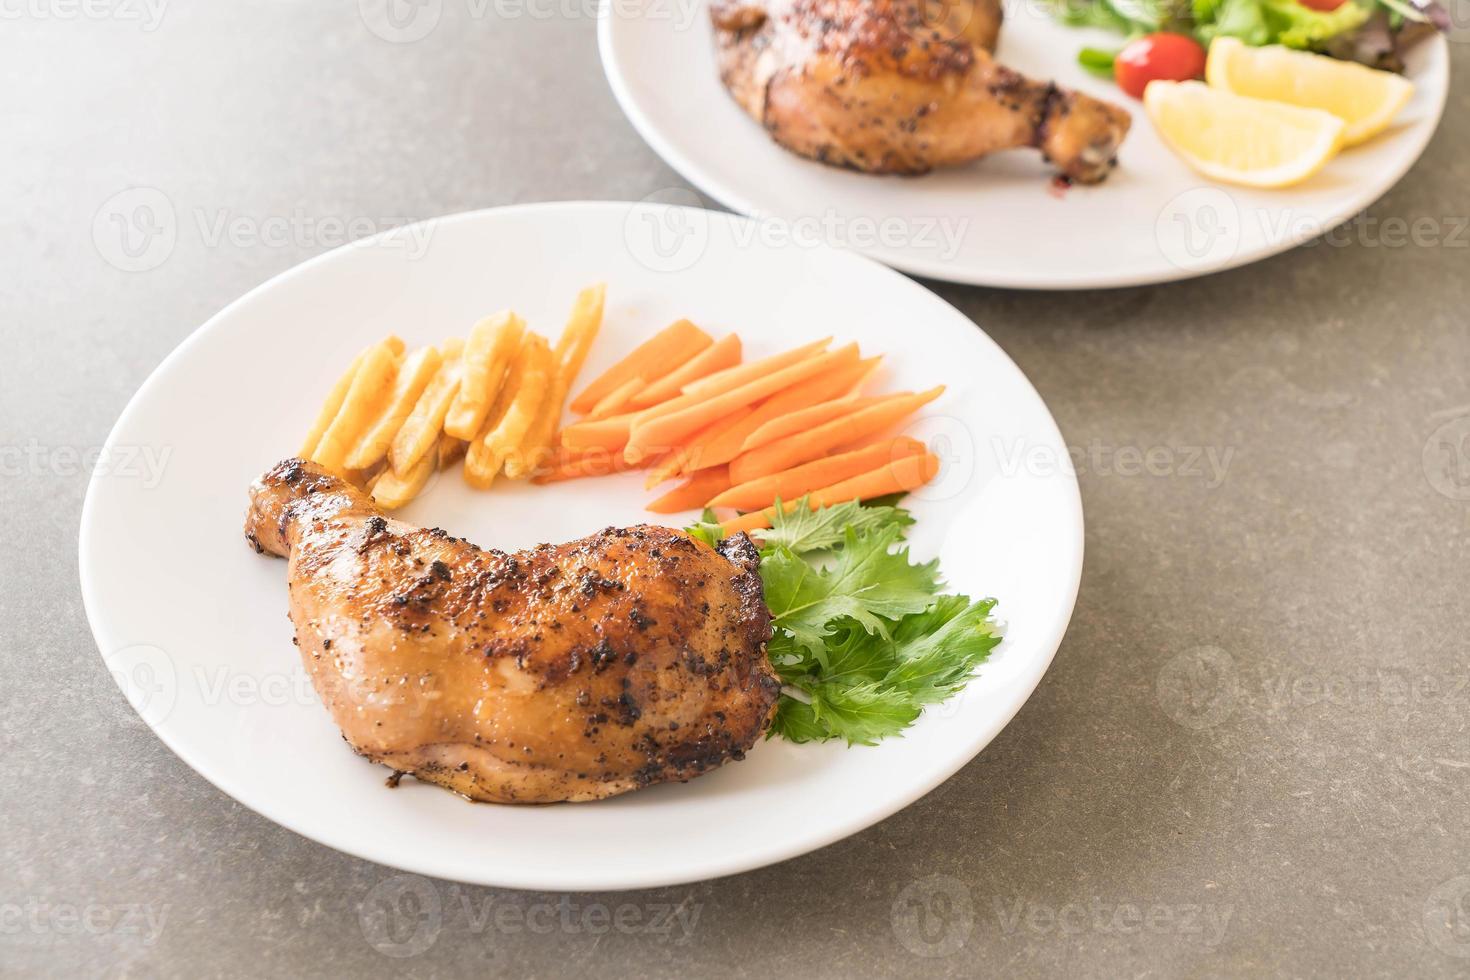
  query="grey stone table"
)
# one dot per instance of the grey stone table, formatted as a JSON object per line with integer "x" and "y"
{"x": 1251, "y": 756}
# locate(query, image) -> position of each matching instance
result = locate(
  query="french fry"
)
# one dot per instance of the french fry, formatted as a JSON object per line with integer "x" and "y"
{"x": 369, "y": 389}
{"x": 481, "y": 464}
{"x": 391, "y": 491}
{"x": 535, "y": 377}
{"x": 331, "y": 406}
{"x": 422, "y": 428}
{"x": 571, "y": 351}
{"x": 450, "y": 450}
{"x": 581, "y": 329}
{"x": 414, "y": 375}
{"x": 490, "y": 347}
{"x": 652, "y": 359}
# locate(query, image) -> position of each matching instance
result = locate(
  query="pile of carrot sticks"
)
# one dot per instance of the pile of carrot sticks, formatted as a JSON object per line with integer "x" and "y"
{"x": 745, "y": 434}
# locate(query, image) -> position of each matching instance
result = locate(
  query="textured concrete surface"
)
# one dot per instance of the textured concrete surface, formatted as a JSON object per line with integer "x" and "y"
{"x": 1251, "y": 756}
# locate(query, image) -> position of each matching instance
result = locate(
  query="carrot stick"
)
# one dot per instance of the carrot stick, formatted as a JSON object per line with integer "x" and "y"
{"x": 693, "y": 494}
{"x": 754, "y": 521}
{"x": 791, "y": 484}
{"x": 802, "y": 447}
{"x": 809, "y": 418}
{"x": 617, "y": 400}
{"x": 610, "y": 434}
{"x": 654, "y": 358}
{"x": 724, "y": 354}
{"x": 900, "y": 476}
{"x": 722, "y": 381}
{"x": 668, "y": 430}
{"x": 687, "y": 457}
{"x": 824, "y": 387}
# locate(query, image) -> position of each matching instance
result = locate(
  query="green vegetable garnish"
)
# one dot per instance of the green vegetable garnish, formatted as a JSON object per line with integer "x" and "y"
{"x": 863, "y": 637}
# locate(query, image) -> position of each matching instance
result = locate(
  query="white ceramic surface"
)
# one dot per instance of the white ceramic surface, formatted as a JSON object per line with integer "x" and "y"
{"x": 193, "y": 625}
{"x": 998, "y": 222}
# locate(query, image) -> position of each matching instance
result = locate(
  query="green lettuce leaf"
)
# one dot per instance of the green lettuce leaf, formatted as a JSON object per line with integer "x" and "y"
{"x": 866, "y": 582}
{"x": 804, "y": 530}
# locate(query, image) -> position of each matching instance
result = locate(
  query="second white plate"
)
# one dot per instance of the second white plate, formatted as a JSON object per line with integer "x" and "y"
{"x": 998, "y": 222}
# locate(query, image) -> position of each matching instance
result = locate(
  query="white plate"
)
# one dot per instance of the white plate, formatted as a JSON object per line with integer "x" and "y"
{"x": 998, "y": 222}
{"x": 193, "y": 624}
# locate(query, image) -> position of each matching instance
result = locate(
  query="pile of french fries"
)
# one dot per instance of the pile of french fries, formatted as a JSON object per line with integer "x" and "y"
{"x": 745, "y": 435}
{"x": 494, "y": 399}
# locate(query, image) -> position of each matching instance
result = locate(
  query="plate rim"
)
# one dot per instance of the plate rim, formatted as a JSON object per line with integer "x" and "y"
{"x": 1068, "y": 571}
{"x": 938, "y": 270}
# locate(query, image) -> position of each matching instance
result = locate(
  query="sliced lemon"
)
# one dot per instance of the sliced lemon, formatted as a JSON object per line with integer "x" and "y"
{"x": 1242, "y": 140}
{"x": 1364, "y": 98}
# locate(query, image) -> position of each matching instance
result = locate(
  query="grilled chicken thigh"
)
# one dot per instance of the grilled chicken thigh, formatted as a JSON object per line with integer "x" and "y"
{"x": 566, "y": 672}
{"x": 901, "y": 86}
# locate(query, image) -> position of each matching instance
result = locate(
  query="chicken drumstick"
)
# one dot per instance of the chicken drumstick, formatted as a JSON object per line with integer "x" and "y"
{"x": 901, "y": 86}
{"x": 564, "y": 672}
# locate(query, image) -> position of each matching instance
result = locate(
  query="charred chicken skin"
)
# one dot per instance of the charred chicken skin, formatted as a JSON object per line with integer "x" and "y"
{"x": 564, "y": 672}
{"x": 902, "y": 86}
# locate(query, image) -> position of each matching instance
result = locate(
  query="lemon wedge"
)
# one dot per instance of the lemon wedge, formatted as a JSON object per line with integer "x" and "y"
{"x": 1364, "y": 98}
{"x": 1240, "y": 140}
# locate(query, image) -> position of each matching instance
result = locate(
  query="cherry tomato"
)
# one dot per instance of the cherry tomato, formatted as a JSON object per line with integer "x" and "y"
{"x": 1171, "y": 57}
{"x": 1326, "y": 6}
